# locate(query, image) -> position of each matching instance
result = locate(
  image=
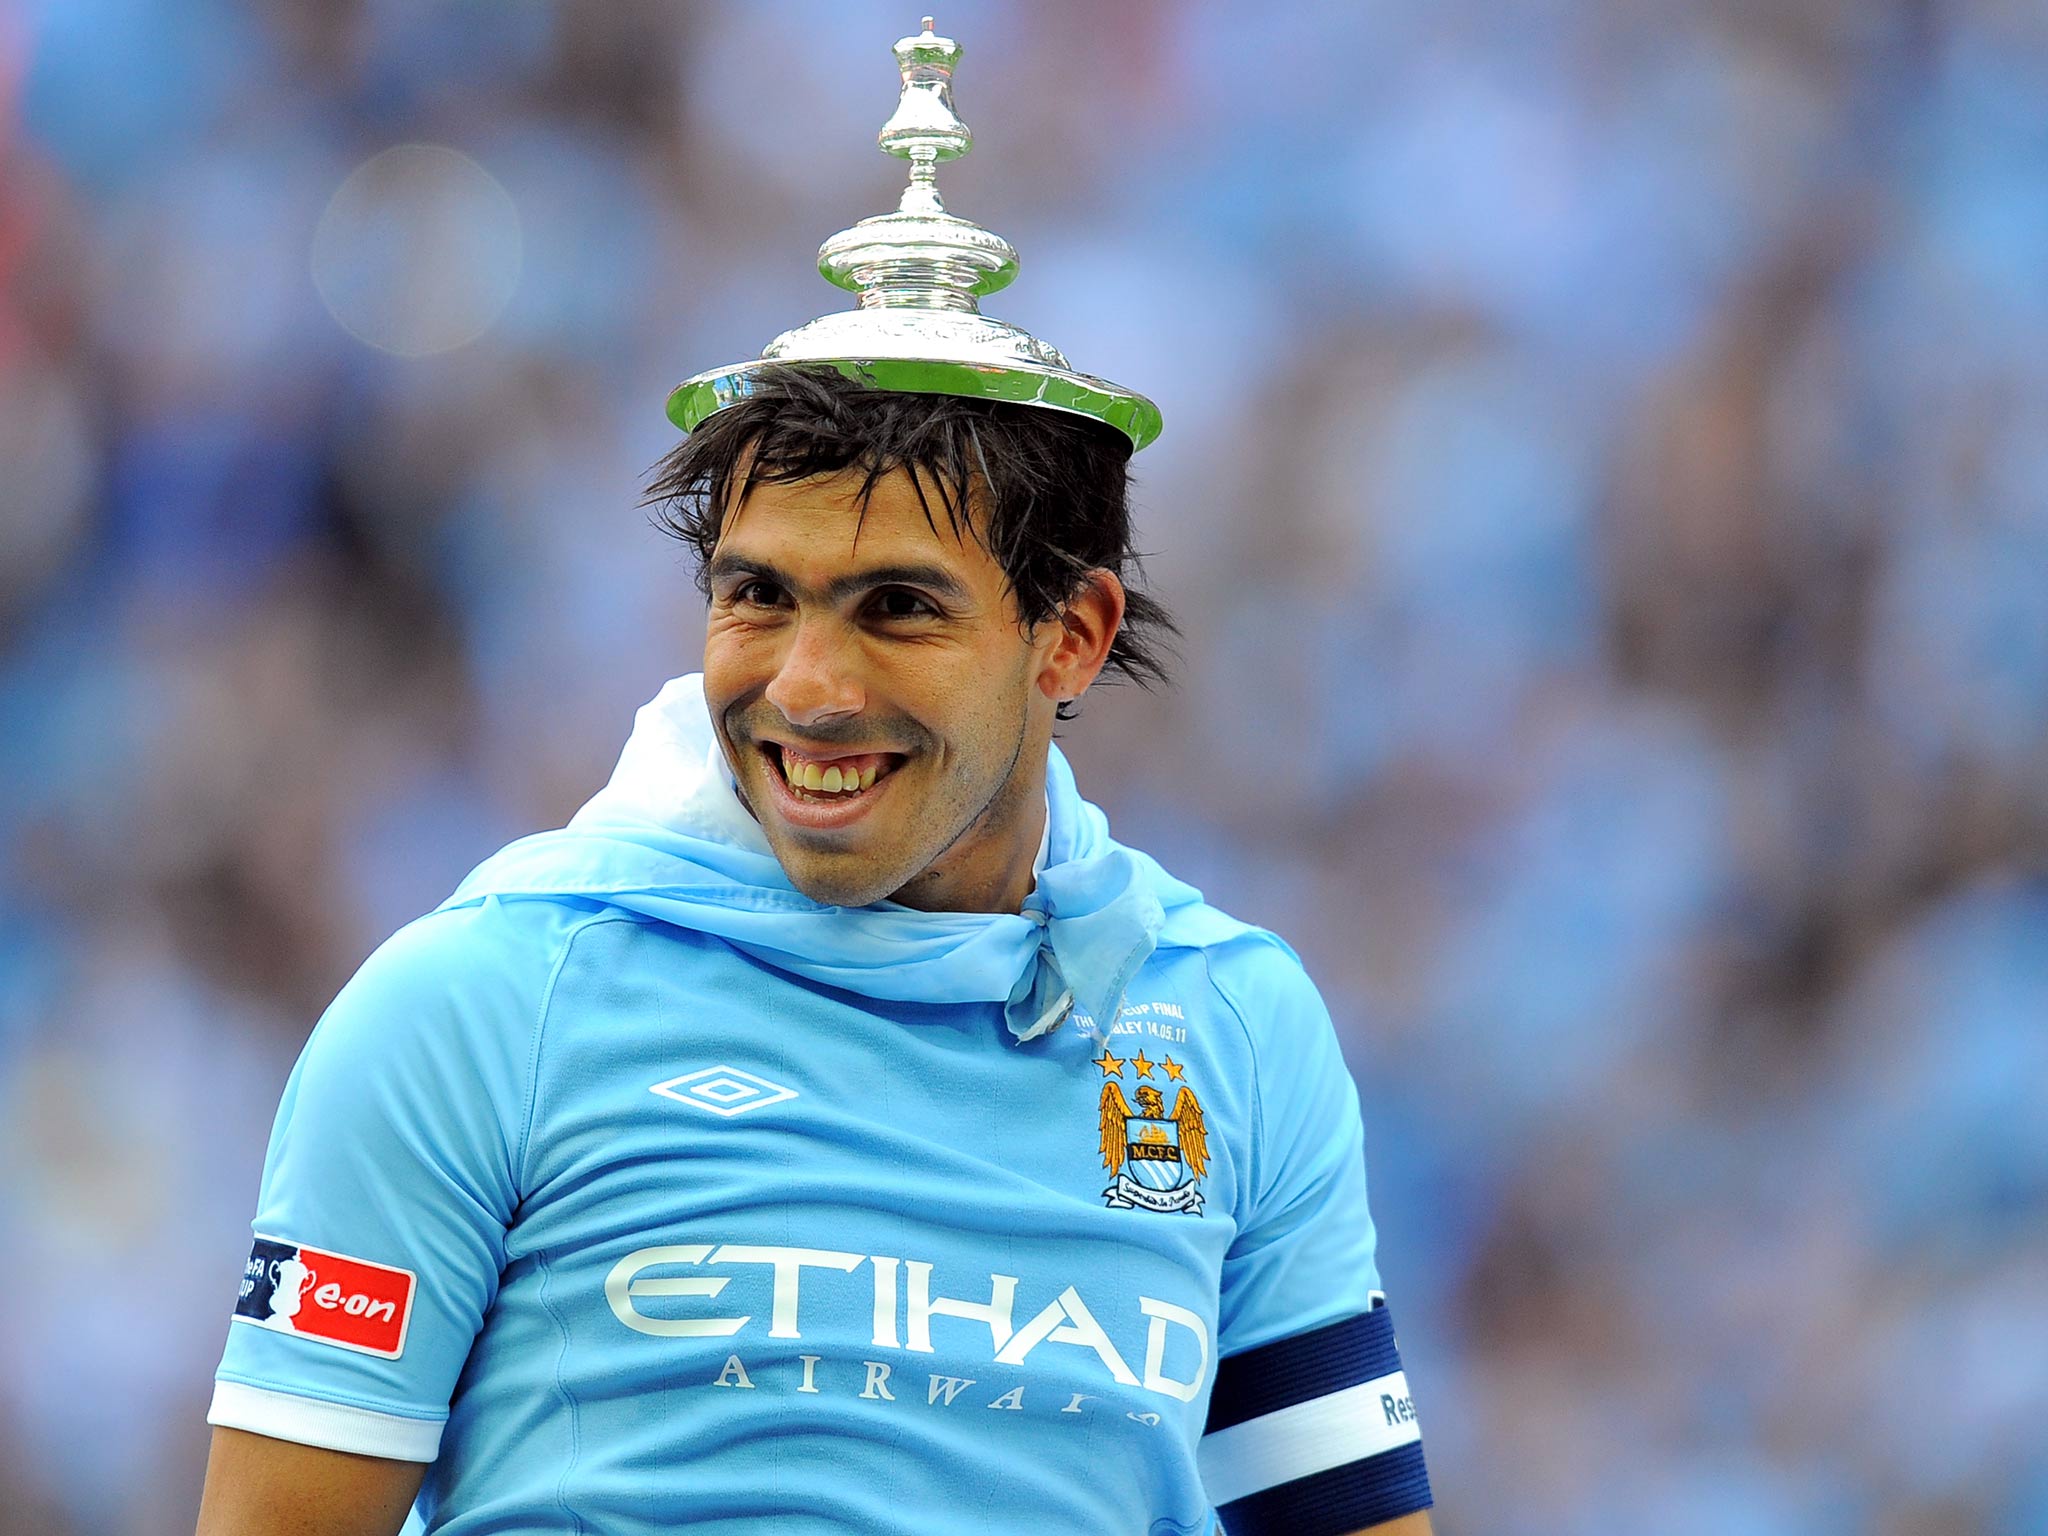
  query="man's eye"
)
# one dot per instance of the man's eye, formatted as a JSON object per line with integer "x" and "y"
{"x": 901, "y": 603}
{"x": 755, "y": 594}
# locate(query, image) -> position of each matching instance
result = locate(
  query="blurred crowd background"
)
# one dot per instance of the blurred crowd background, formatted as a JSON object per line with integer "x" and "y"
{"x": 1605, "y": 490}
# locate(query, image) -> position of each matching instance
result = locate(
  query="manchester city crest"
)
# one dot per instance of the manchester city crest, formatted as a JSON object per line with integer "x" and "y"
{"x": 1157, "y": 1158}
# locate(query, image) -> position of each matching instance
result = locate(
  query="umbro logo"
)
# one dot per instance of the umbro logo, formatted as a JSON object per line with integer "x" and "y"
{"x": 723, "y": 1091}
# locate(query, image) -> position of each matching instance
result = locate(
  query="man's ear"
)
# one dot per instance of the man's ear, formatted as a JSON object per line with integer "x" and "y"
{"x": 1081, "y": 634}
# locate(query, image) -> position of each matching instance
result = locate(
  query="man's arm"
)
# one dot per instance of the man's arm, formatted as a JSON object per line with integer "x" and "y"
{"x": 257, "y": 1486}
{"x": 389, "y": 1183}
{"x": 1311, "y": 1425}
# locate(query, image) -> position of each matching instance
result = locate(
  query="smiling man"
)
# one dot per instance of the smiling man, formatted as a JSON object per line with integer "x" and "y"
{"x": 883, "y": 688}
{"x": 833, "y": 1129}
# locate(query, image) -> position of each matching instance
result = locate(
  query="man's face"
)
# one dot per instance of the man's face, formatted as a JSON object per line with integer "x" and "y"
{"x": 885, "y": 715}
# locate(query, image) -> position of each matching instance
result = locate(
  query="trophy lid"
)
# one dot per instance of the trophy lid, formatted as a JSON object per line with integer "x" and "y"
{"x": 919, "y": 274}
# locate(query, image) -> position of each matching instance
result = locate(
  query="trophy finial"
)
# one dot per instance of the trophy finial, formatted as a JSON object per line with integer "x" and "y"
{"x": 920, "y": 256}
{"x": 920, "y": 273}
{"x": 925, "y": 128}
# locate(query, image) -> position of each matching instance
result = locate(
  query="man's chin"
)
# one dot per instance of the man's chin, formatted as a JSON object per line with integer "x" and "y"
{"x": 843, "y": 880}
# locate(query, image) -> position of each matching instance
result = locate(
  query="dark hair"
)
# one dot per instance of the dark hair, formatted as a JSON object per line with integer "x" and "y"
{"x": 1049, "y": 490}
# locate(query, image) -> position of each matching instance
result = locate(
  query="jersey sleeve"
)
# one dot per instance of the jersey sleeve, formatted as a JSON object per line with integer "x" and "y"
{"x": 1311, "y": 1428}
{"x": 389, "y": 1184}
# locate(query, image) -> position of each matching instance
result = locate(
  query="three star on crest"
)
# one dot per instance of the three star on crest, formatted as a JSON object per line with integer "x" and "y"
{"x": 1113, "y": 1065}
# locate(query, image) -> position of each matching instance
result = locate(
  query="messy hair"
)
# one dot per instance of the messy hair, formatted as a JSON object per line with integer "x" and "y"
{"x": 1049, "y": 492}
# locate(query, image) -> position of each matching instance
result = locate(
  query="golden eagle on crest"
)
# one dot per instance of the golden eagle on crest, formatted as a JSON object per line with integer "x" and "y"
{"x": 1187, "y": 1119}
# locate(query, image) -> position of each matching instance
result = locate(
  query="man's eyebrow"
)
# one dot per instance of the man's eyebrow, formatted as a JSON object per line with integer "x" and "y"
{"x": 723, "y": 566}
{"x": 935, "y": 579}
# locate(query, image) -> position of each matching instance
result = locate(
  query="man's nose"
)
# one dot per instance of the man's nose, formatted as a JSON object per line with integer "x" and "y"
{"x": 817, "y": 680}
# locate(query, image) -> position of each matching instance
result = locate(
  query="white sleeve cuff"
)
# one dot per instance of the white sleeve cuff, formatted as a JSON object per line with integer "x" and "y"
{"x": 330, "y": 1426}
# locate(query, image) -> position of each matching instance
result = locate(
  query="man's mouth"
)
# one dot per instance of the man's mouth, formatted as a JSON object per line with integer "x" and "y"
{"x": 829, "y": 780}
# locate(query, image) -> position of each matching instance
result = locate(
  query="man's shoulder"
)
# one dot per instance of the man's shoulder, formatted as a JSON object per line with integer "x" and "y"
{"x": 521, "y": 936}
{"x": 1254, "y": 971}
{"x": 482, "y": 964}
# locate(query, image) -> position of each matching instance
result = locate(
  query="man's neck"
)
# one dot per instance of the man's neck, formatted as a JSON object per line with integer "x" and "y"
{"x": 991, "y": 869}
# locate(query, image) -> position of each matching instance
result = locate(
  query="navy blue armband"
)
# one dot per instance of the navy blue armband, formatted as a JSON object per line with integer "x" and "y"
{"x": 1315, "y": 1435}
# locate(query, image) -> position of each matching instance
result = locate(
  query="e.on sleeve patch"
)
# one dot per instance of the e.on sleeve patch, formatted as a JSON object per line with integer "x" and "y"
{"x": 351, "y": 1303}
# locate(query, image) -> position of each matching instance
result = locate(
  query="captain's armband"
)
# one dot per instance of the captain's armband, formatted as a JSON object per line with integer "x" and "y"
{"x": 1315, "y": 1435}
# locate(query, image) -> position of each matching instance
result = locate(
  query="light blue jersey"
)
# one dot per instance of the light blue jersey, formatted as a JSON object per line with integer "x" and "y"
{"x": 636, "y": 1192}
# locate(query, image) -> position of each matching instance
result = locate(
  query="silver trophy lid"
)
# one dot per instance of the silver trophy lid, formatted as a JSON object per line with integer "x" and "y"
{"x": 920, "y": 273}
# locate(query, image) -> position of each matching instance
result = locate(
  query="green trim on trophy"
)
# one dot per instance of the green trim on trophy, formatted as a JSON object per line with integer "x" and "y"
{"x": 1077, "y": 394}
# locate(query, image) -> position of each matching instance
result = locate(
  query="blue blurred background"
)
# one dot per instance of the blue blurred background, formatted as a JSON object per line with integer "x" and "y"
{"x": 1605, "y": 487}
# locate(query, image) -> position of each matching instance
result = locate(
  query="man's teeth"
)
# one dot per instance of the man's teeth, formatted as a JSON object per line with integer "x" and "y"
{"x": 804, "y": 774}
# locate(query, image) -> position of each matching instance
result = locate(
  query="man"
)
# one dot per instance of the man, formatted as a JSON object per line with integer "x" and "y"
{"x": 832, "y": 1129}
